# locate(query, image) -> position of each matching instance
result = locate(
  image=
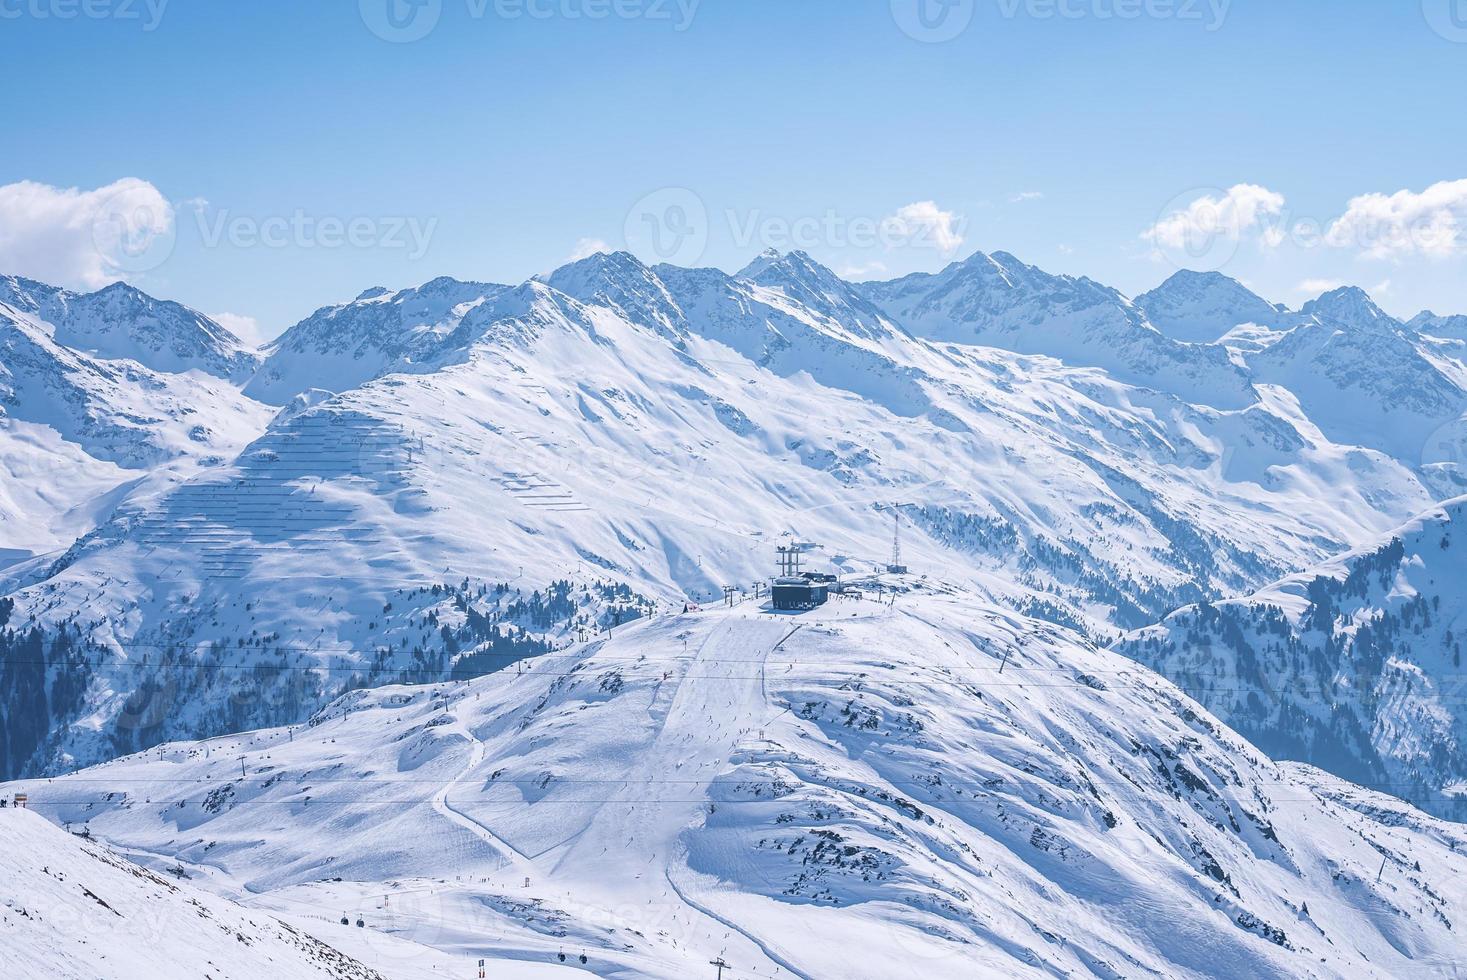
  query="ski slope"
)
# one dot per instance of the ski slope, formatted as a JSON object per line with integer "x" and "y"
{"x": 931, "y": 788}
{"x": 72, "y": 908}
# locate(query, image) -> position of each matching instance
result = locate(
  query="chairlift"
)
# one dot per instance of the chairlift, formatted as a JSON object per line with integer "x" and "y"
{"x": 361, "y": 923}
{"x": 345, "y": 921}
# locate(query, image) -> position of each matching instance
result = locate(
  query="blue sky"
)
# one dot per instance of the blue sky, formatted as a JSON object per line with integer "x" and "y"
{"x": 301, "y": 158}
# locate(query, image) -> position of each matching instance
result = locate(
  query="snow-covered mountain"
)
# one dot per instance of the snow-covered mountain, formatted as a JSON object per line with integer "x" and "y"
{"x": 529, "y": 483}
{"x": 121, "y": 323}
{"x": 998, "y": 301}
{"x": 934, "y": 788}
{"x": 658, "y": 434}
{"x": 1362, "y": 376}
{"x": 1354, "y": 666}
{"x": 1449, "y": 327}
{"x": 1204, "y": 307}
{"x": 80, "y": 430}
{"x": 340, "y": 347}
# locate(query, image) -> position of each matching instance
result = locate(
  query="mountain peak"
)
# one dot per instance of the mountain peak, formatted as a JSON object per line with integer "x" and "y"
{"x": 121, "y": 321}
{"x": 624, "y": 282}
{"x": 1451, "y": 327}
{"x": 764, "y": 261}
{"x": 775, "y": 268}
{"x": 1202, "y": 307}
{"x": 1349, "y": 305}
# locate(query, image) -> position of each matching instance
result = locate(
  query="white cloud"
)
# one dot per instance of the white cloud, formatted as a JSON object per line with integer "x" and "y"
{"x": 1382, "y": 288}
{"x": 587, "y": 247}
{"x": 924, "y": 223}
{"x": 1066, "y": 249}
{"x": 1240, "y": 209}
{"x": 1318, "y": 287}
{"x": 1023, "y": 196}
{"x": 246, "y": 328}
{"x": 1405, "y": 223}
{"x": 84, "y": 239}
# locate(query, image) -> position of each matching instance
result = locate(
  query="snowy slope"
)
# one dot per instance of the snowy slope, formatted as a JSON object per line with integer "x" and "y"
{"x": 937, "y": 788}
{"x": 665, "y": 444}
{"x": 1204, "y": 307}
{"x": 71, "y": 908}
{"x": 998, "y": 301}
{"x": 122, "y": 323}
{"x": 1354, "y": 666}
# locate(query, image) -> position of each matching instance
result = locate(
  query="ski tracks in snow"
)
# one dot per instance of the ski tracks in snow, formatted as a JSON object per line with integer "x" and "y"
{"x": 442, "y": 805}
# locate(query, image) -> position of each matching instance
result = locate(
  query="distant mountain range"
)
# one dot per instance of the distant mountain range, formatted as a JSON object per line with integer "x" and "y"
{"x": 467, "y": 473}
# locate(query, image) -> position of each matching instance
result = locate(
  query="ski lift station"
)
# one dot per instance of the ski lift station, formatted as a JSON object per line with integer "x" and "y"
{"x": 794, "y": 590}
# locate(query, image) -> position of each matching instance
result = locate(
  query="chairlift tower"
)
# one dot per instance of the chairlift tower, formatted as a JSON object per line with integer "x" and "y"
{"x": 789, "y": 560}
